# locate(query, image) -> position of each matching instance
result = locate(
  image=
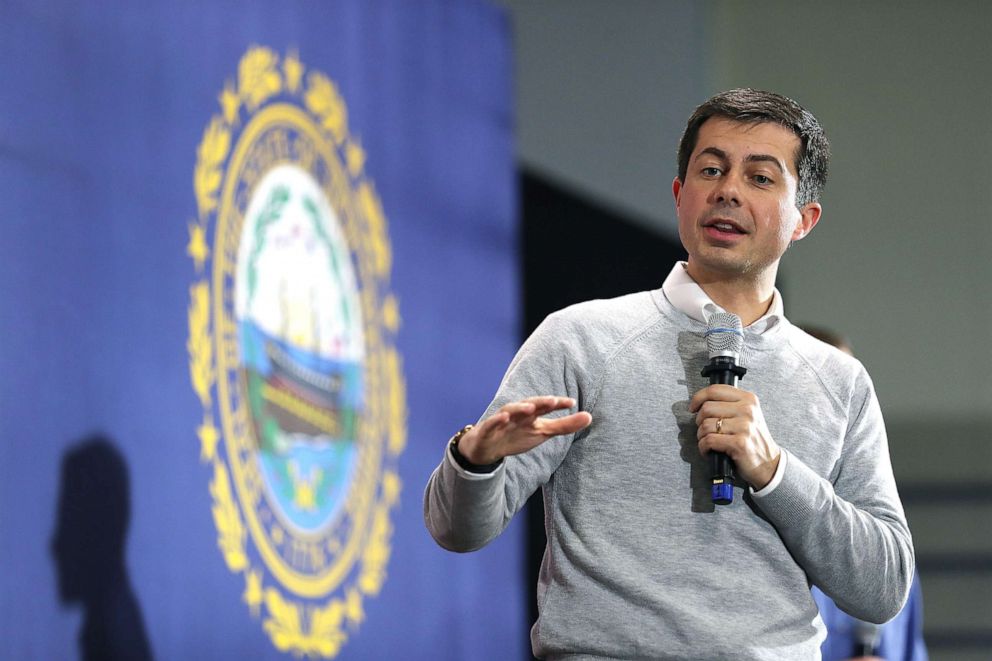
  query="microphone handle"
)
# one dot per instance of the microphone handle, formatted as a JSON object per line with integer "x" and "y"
{"x": 722, "y": 370}
{"x": 864, "y": 649}
{"x": 867, "y": 638}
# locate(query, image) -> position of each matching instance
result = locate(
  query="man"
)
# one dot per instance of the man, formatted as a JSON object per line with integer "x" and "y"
{"x": 639, "y": 562}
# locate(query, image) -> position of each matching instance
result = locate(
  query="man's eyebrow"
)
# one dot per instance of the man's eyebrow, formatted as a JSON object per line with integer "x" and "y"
{"x": 713, "y": 151}
{"x": 753, "y": 158}
{"x": 765, "y": 158}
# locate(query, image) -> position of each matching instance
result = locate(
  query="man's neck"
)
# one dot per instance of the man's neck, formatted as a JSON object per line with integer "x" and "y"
{"x": 749, "y": 298}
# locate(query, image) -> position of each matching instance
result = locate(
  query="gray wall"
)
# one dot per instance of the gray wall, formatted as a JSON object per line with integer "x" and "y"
{"x": 603, "y": 93}
{"x": 902, "y": 256}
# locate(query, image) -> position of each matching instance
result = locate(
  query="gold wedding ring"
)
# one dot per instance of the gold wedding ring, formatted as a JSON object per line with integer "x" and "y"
{"x": 719, "y": 425}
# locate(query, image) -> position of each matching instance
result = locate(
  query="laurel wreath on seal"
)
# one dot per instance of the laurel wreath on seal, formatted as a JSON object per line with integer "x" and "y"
{"x": 302, "y": 629}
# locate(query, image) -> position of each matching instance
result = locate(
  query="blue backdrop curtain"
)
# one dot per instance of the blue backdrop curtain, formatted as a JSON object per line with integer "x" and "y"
{"x": 106, "y": 112}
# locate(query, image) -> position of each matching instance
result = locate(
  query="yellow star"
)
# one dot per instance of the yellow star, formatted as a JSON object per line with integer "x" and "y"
{"x": 229, "y": 102}
{"x": 391, "y": 313}
{"x": 356, "y": 158}
{"x": 208, "y": 439}
{"x": 293, "y": 70}
{"x": 197, "y": 246}
{"x": 253, "y": 591}
{"x": 304, "y": 497}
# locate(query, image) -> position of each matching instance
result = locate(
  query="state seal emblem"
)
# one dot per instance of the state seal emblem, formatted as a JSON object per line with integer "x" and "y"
{"x": 292, "y": 329}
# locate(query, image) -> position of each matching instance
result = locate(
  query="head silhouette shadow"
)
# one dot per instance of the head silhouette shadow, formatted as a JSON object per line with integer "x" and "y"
{"x": 88, "y": 545}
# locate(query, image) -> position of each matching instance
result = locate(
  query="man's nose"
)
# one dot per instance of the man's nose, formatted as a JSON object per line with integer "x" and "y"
{"x": 727, "y": 191}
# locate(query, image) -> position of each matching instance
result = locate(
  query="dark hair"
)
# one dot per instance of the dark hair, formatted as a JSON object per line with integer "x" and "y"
{"x": 754, "y": 106}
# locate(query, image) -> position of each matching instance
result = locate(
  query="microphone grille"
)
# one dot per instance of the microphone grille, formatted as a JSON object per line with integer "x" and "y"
{"x": 724, "y": 335}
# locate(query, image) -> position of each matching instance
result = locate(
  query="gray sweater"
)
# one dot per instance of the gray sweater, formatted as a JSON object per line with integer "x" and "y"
{"x": 639, "y": 563}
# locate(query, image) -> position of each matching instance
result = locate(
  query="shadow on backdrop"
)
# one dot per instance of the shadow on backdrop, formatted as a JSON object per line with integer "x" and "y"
{"x": 94, "y": 510}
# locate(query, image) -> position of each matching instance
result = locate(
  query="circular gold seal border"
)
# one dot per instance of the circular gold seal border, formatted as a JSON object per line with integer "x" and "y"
{"x": 235, "y": 422}
{"x": 317, "y": 627}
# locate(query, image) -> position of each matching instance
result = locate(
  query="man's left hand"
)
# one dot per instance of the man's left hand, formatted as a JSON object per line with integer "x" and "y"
{"x": 729, "y": 420}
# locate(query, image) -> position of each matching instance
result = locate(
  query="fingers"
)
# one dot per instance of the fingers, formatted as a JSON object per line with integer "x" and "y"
{"x": 518, "y": 427}
{"x": 533, "y": 407}
{"x": 716, "y": 434}
{"x": 548, "y": 403}
{"x": 725, "y": 443}
{"x": 724, "y": 426}
{"x": 519, "y": 409}
{"x": 716, "y": 393}
{"x": 716, "y": 411}
{"x": 526, "y": 414}
{"x": 720, "y": 401}
{"x": 568, "y": 424}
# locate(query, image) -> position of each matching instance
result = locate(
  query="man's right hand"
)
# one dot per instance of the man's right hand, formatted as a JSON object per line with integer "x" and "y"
{"x": 518, "y": 427}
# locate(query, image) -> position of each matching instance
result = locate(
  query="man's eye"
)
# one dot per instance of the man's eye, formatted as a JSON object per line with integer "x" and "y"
{"x": 762, "y": 180}
{"x": 711, "y": 172}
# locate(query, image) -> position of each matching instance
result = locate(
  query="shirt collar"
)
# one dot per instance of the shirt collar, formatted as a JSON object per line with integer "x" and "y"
{"x": 689, "y": 298}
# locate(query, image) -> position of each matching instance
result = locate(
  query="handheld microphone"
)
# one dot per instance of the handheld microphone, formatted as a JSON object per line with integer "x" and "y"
{"x": 724, "y": 339}
{"x": 867, "y": 637}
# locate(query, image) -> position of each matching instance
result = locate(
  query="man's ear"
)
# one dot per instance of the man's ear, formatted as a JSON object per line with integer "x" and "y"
{"x": 809, "y": 216}
{"x": 676, "y": 190}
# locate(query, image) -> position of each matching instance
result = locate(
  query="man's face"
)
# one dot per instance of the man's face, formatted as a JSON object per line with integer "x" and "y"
{"x": 737, "y": 206}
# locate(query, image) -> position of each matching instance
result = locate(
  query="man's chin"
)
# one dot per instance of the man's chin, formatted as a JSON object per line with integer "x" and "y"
{"x": 720, "y": 263}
